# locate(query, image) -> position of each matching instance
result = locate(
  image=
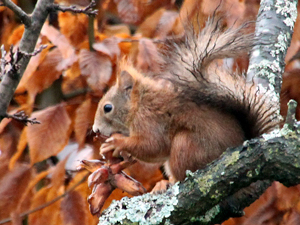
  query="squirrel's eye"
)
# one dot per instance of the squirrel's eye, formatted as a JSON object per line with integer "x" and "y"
{"x": 107, "y": 108}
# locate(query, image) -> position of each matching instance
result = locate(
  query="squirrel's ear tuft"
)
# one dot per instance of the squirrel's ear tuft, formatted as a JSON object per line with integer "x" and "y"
{"x": 125, "y": 81}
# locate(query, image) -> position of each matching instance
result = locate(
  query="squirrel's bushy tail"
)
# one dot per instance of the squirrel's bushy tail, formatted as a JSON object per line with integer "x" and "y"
{"x": 195, "y": 52}
{"x": 190, "y": 62}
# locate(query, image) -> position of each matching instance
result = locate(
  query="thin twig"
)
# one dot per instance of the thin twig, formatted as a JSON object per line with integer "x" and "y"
{"x": 87, "y": 10}
{"x": 23, "y": 118}
{"x": 35, "y": 52}
{"x": 47, "y": 203}
{"x": 25, "y": 19}
{"x": 15, "y": 58}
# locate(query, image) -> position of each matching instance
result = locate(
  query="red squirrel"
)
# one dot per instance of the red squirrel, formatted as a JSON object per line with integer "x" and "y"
{"x": 191, "y": 111}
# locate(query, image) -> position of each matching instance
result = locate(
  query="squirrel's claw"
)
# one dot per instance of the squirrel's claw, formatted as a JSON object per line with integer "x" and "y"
{"x": 108, "y": 140}
{"x": 106, "y": 147}
{"x": 113, "y": 143}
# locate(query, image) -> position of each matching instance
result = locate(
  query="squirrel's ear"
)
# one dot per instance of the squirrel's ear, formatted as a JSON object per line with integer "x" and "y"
{"x": 125, "y": 81}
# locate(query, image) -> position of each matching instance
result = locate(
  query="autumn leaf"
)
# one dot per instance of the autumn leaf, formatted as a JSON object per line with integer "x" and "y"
{"x": 49, "y": 137}
{"x": 97, "y": 68}
{"x": 133, "y": 11}
{"x": 31, "y": 68}
{"x": 16, "y": 35}
{"x": 9, "y": 138}
{"x": 4, "y": 123}
{"x": 12, "y": 186}
{"x": 109, "y": 46}
{"x": 59, "y": 174}
{"x": 166, "y": 24}
{"x": 128, "y": 10}
{"x": 74, "y": 27}
{"x": 63, "y": 45}
{"x": 51, "y": 214}
{"x": 72, "y": 210}
{"x": 147, "y": 56}
{"x": 20, "y": 148}
{"x": 118, "y": 30}
{"x": 159, "y": 24}
{"x": 82, "y": 121}
{"x": 46, "y": 73}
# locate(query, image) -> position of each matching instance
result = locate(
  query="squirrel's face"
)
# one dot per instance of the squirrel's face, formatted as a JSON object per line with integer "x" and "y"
{"x": 113, "y": 109}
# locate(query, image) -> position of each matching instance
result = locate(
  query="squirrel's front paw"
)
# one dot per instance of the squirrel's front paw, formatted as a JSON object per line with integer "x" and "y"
{"x": 112, "y": 143}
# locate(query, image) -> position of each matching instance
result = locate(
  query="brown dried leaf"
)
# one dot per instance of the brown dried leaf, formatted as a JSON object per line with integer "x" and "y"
{"x": 39, "y": 199}
{"x": 16, "y": 35}
{"x": 128, "y": 10}
{"x": 15, "y": 218}
{"x": 133, "y": 11}
{"x": 63, "y": 44}
{"x": 49, "y": 137}
{"x": 149, "y": 25}
{"x": 263, "y": 214}
{"x": 9, "y": 139}
{"x": 84, "y": 191}
{"x": 148, "y": 58}
{"x": 75, "y": 33}
{"x": 20, "y": 149}
{"x": 235, "y": 11}
{"x": 97, "y": 68}
{"x": 195, "y": 13}
{"x": 8, "y": 25}
{"x": 48, "y": 215}
{"x": 287, "y": 198}
{"x": 159, "y": 24}
{"x": 290, "y": 90}
{"x": 72, "y": 210}
{"x": 12, "y": 186}
{"x": 4, "y": 123}
{"x": 166, "y": 24}
{"x": 109, "y": 46}
{"x": 73, "y": 82}
{"x": 26, "y": 193}
{"x": 82, "y": 121}
{"x": 111, "y": 30}
{"x": 45, "y": 75}
{"x": 32, "y": 67}
{"x": 59, "y": 174}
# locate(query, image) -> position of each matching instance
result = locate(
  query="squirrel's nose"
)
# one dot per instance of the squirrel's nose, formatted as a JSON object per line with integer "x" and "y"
{"x": 95, "y": 129}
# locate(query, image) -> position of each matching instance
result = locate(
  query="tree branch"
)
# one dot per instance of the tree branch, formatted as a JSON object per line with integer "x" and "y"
{"x": 25, "y": 19}
{"x": 31, "y": 34}
{"x": 87, "y": 10}
{"x": 274, "y": 157}
{"x": 273, "y": 32}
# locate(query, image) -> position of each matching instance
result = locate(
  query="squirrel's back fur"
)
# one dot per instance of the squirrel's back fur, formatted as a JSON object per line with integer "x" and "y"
{"x": 192, "y": 110}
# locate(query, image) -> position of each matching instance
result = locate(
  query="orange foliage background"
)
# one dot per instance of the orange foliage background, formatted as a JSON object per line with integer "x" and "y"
{"x": 62, "y": 86}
